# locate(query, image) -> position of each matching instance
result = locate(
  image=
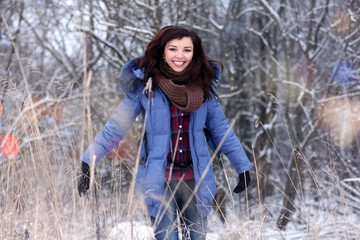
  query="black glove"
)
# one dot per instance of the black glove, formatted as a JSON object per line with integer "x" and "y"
{"x": 84, "y": 179}
{"x": 244, "y": 180}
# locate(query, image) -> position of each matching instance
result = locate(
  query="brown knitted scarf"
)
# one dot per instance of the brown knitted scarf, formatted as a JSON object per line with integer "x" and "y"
{"x": 184, "y": 94}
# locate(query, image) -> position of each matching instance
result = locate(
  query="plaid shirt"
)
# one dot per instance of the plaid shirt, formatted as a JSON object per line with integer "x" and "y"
{"x": 179, "y": 136}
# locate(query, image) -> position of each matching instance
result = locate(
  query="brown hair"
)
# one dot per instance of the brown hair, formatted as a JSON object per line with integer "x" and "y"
{"x": 200, "y": 67}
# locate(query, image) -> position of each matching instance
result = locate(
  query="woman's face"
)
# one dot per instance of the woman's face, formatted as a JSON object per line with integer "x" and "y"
{"x": 178, "y": 53}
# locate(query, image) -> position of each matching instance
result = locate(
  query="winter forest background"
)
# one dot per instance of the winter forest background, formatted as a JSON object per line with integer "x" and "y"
{"x": 290, "y": 87}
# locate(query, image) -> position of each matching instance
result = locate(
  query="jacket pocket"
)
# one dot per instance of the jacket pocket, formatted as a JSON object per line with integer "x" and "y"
{"x": 207, "y": 188}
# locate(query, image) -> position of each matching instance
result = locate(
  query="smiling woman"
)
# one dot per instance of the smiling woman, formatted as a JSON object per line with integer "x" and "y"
{"x": 175, "y": 176}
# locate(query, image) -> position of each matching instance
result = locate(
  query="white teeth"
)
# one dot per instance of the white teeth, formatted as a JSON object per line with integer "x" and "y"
{"x": 178, "y": 63}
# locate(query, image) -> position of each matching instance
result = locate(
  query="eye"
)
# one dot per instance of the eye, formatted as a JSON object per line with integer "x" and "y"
{"x": 172, "y": 49}
{"x": 188, "y": 50}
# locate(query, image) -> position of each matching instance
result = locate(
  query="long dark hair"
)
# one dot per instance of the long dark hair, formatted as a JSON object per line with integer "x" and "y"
{"x": 200, "y": 67}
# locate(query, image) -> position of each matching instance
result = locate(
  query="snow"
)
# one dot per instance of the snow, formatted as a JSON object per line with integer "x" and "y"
{"x": 131, "y": 230}
{"x": 236, "y": 228}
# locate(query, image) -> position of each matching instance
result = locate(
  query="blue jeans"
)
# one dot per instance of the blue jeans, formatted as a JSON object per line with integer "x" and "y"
{"x": 193, "y": 225}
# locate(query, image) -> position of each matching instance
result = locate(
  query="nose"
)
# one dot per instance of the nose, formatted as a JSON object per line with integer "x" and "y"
{"x": 179, "y": 54}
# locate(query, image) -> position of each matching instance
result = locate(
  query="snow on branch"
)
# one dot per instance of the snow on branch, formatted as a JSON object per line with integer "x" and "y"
{"x": 352, "y": 180}
{"x": 107, "y": 43}
{"x": 351, "y": 192}
{"x": 215, "y": 24}
{"x": 354, "y": 41}
{"x": 202, "y": 29}
{"x": 139, "y": 30}
{"x": 141, "y": 4}
{"x": 272, "y": 12}
{"x": 108, "y": 24}
{"x": 259, "y": 34}
{"x": 230, "y": 94}
{"x": 337, "y": 97}
{"x": 247, "y": 10}
{"x": 311, "y": 92}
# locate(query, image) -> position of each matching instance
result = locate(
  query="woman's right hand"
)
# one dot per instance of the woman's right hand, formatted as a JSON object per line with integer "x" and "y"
{"x": 84, "y": 179}
{"x": 244, "y": 180}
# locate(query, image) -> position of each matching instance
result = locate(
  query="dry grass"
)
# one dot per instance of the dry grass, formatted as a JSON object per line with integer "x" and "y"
{"x": 39, "y": 198}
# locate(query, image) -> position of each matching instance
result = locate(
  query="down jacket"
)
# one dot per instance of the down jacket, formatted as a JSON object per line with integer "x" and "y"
{"x": 150, "y": 182}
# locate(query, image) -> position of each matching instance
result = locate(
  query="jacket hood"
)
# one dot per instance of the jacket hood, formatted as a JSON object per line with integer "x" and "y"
{"x": 131, "y": 76}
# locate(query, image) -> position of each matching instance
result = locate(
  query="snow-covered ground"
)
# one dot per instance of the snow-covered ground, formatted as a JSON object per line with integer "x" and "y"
{"x": 236, "y": 229}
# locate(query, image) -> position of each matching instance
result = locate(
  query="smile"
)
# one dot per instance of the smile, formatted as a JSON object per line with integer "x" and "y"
{"x": 178, "y": 64}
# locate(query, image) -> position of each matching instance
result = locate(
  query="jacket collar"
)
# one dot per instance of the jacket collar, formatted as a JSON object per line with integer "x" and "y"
{"x": 131, "y": 76}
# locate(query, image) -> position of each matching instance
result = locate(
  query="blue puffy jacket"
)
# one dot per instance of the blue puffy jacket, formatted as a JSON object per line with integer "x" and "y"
{"x": 150, "y": 182}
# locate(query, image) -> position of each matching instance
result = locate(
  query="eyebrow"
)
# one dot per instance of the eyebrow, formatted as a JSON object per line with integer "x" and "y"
{"x": 176, "y": 46}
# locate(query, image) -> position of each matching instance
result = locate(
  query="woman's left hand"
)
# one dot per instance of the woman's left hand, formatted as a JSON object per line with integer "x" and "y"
{"x": 244, "y": 180}
{"x": 84, "y": 179}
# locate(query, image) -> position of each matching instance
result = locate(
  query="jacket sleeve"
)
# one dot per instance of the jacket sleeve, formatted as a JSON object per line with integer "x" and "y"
{"x": 216, "y": 123}
{"x": 115, "y": 129}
